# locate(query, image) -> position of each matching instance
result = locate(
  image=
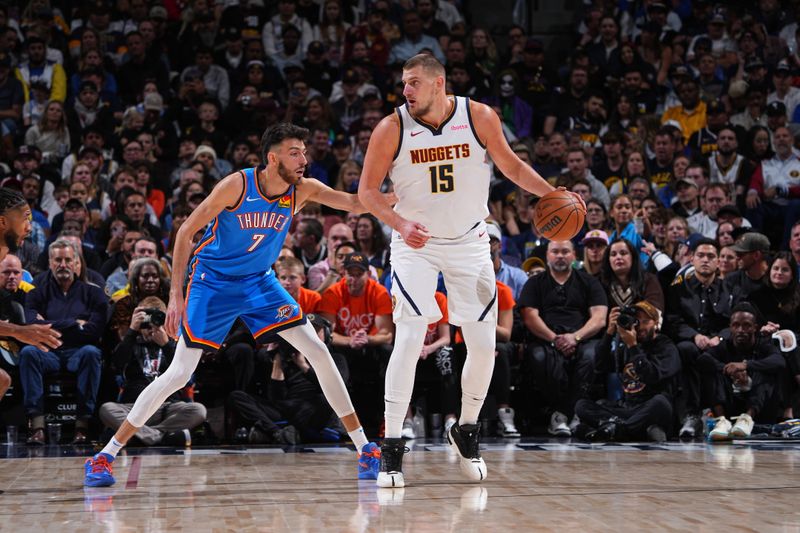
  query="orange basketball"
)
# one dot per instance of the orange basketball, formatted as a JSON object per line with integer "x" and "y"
{"x": 558, "y": 216}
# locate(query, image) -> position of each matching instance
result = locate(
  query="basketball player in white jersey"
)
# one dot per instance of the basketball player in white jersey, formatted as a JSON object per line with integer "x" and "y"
{"x": 435, "y": 150}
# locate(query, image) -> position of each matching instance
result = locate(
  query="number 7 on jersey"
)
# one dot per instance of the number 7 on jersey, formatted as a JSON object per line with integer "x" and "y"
{"x": 257, "y": 238}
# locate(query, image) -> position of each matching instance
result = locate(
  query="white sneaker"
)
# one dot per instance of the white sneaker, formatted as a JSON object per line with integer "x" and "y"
{"x": 722, "y": 430}
{"x": 449, "y": 423}
{"x": 505, "y": 425}
{"x": 408, "y": 430}
{"x": 743, "y": 426}
{"x": 464, "y": 441}
{"x": 558, "y": 425}
{"x": 573, "y": 424}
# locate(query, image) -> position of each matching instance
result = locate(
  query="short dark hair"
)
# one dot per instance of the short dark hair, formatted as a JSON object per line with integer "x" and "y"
{"x": 278, "y": 133}
{"x": 427, "y": 62}
{"x": 705, "y": 241}
{"x": 314, "y": 228}
{"x": 747, "y": 307}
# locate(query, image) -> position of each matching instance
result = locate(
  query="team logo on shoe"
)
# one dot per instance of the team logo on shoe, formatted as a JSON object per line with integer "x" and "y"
{"x": 286, "y": 201}
{"x": 285, "y": 311}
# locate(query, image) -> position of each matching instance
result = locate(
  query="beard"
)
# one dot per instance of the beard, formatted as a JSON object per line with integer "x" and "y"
{"x": 419, "y": 111}
{"x": 287, "y": 175}
{"x": 12, "y": 241}
{"x": 558, "y": 266}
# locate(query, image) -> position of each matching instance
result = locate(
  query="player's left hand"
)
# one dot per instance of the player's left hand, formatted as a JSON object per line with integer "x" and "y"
{"x": 174, "y": 315}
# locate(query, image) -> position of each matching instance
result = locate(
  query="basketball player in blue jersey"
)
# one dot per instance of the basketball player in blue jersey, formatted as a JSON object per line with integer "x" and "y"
{"x": 230, "y": 276}
{"x": 435, "y": 149}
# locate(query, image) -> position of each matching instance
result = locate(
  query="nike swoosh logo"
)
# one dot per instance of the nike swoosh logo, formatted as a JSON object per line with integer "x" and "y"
{"x": 481, "y": 234}
{"x": 248, "y": 199}
{"x": 415, "y": 133}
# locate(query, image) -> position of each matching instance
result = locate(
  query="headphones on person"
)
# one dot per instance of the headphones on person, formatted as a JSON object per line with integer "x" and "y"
{"x": 322, "y": 323}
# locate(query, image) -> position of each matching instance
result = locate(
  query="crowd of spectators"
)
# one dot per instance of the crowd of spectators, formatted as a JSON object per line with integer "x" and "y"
{"x": 676, "y": 121}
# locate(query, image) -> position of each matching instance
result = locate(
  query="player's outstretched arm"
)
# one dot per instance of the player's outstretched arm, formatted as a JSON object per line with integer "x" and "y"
{"x": 377, "y": 162}
{"x": 227, "y": 193}
{"x": 313, "y": 190}
{"x": 490, "y": 133}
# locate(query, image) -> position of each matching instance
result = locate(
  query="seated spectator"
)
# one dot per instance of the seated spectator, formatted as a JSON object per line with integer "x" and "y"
{"x": 146, "y": 278}
{"x": 510, "y": 275}
{"x": 624, "y": 279}
{"x": 51, "y": 135}
{"x": 79, "y": 312}
{"x": 691, "y": 113}
{"x": 39, "y": 67}
{"x": 773, "y": 196}
{"x": 118, "y": 280}
{"x": 360, "y": 311}
{"x": 414, "y": 41}
{"x": 321, "y": 270}
{"x": 698, "y": 310}
{"x": 294, "y": 395}
{"x": 778, "y": 301}
{"x": 28, "y": 163}
{"x": 705, "y": 222}
{"x": 563, "y": 309}
{"x": 646, "y": 362}
{"x": 594, "y": 244}
{"x": 290, "y": 272}
{"x": 742, "y": 373}
{"x": 309, "y": 246}
{"x": 372, "y": 242}
{"x": 688, "y": 194}
{"x": 144, "y": 353}
{"x": 625, "y": 226}
{"x": 751, "y": 250}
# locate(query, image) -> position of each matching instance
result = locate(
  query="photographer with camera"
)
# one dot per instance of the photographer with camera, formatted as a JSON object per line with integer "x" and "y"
{"x": 647, "y": 362}
{"x": 293, "y": 394}
{"x": 144, "y": 354}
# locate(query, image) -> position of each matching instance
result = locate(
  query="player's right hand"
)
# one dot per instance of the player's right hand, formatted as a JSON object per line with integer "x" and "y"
{"x": 414, "y": 234}
{"x": 42, "y": 336}
{"x": 174, "y": 315}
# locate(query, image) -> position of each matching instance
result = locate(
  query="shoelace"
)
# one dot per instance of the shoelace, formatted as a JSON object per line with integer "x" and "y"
{"x": 101, "y": 465}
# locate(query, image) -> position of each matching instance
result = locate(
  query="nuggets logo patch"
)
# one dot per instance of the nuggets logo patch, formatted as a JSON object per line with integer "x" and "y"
{"x": 394, "y": 301}
{"x": 285, "y": 311}
{"x": 286, "y": 201}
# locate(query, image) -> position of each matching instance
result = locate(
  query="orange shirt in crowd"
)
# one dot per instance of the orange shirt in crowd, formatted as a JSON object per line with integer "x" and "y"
{"x": 505, "y": 301}
{"x": 356, "y": 312}
{"x": 308, "y": 300}
{"x": 433, "y": 328}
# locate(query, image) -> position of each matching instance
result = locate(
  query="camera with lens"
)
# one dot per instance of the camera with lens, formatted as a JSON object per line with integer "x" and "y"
{"x": 627, "y": 317}
{"x": 153, "y": 318}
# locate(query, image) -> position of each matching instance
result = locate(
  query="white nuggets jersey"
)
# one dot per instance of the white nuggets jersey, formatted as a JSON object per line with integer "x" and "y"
{"x": 441, "y": 175}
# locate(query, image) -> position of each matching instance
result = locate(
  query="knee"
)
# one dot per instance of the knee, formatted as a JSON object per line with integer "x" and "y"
{"x": 90, "y": 355}
{"x": 537, "y": 356}
{"x": 105, "y": 411}
{"x": 197, "y": 411}
{"x": 5, "y": 380}
{"x": 662, "y": 407}
{"x": 582, "y": 407}
{"x": 30, "y": 355}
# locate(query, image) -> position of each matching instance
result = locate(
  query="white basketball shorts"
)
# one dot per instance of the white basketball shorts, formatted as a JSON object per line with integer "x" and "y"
{"x": 468, "y": 273}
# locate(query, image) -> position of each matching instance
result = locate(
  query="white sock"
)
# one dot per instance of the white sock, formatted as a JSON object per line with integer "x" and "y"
{"x": 113, "y": 447}
{"x": 359, "y": 438}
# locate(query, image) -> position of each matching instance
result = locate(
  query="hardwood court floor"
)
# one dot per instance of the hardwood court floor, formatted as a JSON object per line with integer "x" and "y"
{"x": 532, "y": 486}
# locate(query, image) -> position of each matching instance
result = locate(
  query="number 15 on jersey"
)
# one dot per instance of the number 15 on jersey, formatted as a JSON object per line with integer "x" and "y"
{"x": 441, "y": 178}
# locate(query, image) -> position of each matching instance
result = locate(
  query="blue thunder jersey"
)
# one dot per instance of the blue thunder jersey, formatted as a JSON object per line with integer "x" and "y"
{"x": 247, "y": 238}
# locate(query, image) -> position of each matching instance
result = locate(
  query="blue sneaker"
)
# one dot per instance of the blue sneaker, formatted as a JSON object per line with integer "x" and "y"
{"x": 369, "y": 462}
{"x": 98, "y": 471}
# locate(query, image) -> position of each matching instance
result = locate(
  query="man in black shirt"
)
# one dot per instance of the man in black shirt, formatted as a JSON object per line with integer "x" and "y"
{"x": 743, "y": 373}
{"x": 563, "y": 309}
{"x": 660, "y": 166}
{"x": 751, "y": 250}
